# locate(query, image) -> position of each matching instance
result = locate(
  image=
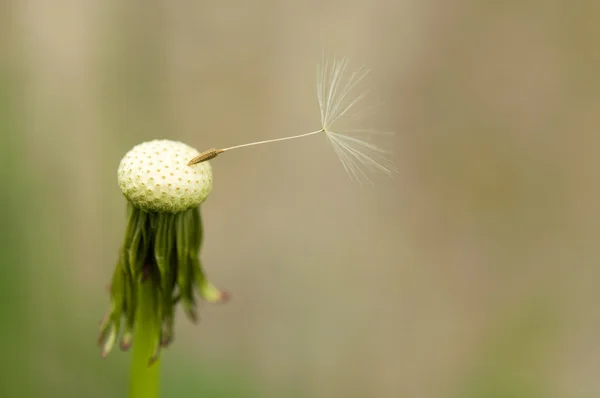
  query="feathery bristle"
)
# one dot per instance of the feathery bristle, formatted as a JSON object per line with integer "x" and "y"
{"x": 335, "y": 102}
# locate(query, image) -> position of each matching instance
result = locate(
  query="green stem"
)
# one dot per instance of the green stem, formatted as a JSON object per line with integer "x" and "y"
{"x": 144, "y": 378}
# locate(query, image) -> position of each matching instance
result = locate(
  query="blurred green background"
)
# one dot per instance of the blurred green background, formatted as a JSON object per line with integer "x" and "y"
{"x": 471, "y": 274}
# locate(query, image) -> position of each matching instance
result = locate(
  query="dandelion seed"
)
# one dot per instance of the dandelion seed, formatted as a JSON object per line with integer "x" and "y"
{"x": 336, "y": 101}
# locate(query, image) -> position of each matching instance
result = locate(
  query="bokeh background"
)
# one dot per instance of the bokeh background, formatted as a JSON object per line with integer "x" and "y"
{"x": 472, "y": 273}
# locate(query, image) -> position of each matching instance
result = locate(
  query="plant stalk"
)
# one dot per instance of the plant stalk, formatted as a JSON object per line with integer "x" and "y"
{"x": 145, "y": 376}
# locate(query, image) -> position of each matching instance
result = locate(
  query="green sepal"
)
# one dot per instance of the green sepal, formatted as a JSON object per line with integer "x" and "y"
{"x": 158, "y": 263}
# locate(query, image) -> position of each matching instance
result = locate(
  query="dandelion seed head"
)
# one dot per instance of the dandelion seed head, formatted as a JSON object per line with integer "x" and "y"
{"x": 155, "y": 176}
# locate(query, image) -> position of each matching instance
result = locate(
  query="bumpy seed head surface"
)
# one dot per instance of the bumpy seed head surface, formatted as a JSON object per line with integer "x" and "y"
{"x": 154, "y": 176}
